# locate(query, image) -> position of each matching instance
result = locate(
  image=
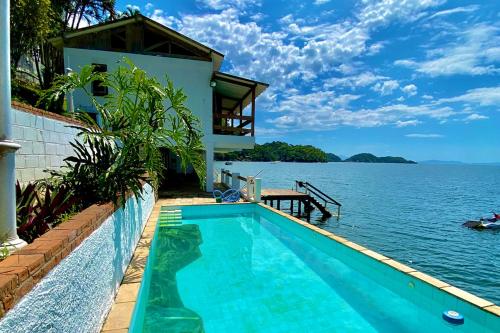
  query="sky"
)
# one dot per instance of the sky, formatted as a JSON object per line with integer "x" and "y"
{"x": 412, "y": 78}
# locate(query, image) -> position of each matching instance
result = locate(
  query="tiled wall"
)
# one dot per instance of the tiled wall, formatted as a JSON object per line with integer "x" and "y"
{"x": 44, "y": 140}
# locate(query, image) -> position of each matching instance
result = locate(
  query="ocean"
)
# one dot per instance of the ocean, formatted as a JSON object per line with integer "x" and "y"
{"x": 412, "y": 213}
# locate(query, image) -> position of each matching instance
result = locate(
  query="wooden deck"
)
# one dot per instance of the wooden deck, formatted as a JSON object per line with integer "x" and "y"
{"x": 282, "y": 194}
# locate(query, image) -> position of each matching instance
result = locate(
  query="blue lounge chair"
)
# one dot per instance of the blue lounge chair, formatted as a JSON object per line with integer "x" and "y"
{"x": 230, "y": 195}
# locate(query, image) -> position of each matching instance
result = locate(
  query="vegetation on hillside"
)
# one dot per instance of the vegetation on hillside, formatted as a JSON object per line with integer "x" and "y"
{"x": 281, "y": 151}
{"x": 277, "y": 151}
{"x": 370, "y": 158}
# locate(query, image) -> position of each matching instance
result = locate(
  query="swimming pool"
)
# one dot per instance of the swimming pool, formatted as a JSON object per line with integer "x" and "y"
{"x": 247, "y": 268}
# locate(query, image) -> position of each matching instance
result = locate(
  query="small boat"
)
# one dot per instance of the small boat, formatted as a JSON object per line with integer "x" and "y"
{"x": 484, "y": 222}
{"x": 228, "y": 163}
{"x": 275, "y": 162}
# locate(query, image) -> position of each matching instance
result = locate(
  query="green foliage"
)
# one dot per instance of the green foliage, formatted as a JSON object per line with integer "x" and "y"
{"x": 138, "y": 117}
{"x": 39, "y": 206}
{"x": 71, "y": 13}
{"x": 277, "y": 151}
{"x": 281, "y": 151}
{"x": 30, "y": 24}
{"x": 370, "y": 158}
{"x": 333, "y": 158}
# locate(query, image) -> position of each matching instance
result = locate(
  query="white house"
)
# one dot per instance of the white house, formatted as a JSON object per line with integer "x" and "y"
{"x": 224, "y": 103}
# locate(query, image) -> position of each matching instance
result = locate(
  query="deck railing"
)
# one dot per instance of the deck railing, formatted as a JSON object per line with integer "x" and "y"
{"x": 316, "y": 192}
{"x": 250, "y": 190}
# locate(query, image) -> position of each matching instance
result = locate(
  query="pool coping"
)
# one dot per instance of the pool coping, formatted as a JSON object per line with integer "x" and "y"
{"x": 463, "y": 295}
{"x": 120, "y": 316}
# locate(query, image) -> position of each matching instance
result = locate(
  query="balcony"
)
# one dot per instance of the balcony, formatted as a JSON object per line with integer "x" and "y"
{"x": 234, "y": 104}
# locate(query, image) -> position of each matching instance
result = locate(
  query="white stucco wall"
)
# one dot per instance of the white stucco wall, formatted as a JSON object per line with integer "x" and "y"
{"x": 192, "y": 76}
{"x": 44, "y": 144}
{"x": 77, "y": 294}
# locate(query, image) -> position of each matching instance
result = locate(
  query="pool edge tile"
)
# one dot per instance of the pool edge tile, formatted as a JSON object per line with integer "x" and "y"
{"x": 467, "y": 297}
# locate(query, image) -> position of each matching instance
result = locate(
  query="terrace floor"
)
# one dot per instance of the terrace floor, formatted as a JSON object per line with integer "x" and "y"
{"x": 118, "y": 319}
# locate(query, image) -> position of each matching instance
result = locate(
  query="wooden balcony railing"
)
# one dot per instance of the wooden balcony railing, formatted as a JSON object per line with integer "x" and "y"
{"x": 233, "y": 124}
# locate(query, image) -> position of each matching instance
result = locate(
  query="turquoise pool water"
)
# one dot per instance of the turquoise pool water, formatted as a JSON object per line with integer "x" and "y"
{"x": 243, "y": 268}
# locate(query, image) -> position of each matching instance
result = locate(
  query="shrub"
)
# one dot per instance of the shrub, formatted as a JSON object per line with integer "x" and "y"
{"x": 39, "y": 206}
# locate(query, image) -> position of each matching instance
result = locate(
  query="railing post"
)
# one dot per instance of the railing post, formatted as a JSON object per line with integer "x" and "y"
{"x": 250, "y": 188}
{"x": 235, "y": 184}
{"x": 258, "y": 189}
{"x": 220, "y": 177}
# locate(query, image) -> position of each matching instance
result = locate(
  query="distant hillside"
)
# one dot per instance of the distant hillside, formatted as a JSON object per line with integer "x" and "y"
{"x": 333, "y": 158}
{"x": 370, "y": 158}
{"x": 277, "y": 151}
{"x": 282, "y": 151}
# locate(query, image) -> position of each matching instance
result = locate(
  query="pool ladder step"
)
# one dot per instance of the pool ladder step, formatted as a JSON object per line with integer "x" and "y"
{"x": 170, "y": 217}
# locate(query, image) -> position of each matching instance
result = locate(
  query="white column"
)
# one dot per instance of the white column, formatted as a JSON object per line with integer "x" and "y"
{"x": 209, "y": 159}
{"x": 250, "y": 188}
{"x": 258, "y": 189}
{"x": 7, "y": 146}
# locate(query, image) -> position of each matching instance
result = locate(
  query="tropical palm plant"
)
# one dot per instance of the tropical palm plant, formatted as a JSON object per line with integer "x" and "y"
{"x": 138, "y": 117}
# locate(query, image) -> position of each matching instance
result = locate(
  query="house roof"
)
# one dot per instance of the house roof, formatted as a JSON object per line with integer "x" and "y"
{"x": 217, "y": 57}
{"x": 236, "y": 88}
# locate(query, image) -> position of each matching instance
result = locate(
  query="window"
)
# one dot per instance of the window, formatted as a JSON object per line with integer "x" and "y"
{"x": 97, "y": 89}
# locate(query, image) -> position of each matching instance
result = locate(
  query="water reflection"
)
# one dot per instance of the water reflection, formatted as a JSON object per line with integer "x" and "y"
{"x": 176, "y": 248}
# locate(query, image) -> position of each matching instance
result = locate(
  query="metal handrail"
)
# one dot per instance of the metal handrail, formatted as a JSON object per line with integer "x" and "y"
{"x": 314, "y": 190}
{"x": 225, "y": 172}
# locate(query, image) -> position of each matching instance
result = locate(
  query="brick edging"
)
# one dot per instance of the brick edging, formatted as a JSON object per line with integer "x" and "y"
{"x": 39, "y": 112}
{"x": 21, "y": 271}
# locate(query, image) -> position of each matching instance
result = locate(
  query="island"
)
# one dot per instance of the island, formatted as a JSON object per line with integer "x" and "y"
{"x": 284, "y": 152}
{"x": 370, "y": 158}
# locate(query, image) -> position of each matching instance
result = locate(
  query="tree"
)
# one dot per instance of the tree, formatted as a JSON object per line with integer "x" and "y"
{"x": 139, "y": 117}
{"x": 72, "y": 13}
{"x": 30, "y": 25}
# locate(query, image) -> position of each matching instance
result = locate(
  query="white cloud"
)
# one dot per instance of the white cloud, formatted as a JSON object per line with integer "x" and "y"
{"x": 465, "y": 9}
{"x": 474, "y": 52}
{"x": 489, "y": 96}
{"x": 326, "y": 110}
{"x": 169, "y": 21}
{"x": 134, "y": 7}
{"x": 386, "y": 87}
{"x": 375, "y": 48}
{"x": 475, "y": 116}
{"x": 413, "y": 122}
{"x": 424, "y": 136}
{"x": 428, "y": 97}
{"x": 149, "y": 6}
{"x": 301, "y": 51}
{"x": 321, "y": 2}
{"x": 360, "y": 80}
{"x": 225, "y": 4}
{"x": 410, "y": 89}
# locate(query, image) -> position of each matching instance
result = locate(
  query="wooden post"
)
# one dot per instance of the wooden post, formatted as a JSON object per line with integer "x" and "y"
{"x": 308, "y": 211}
{"x": 272, "y": 203}
{"x": 300, "y": 207}
{"x": 241, "y": 113}
{"x": 253, "y": 111}
{"x": 291, "y": 207}
{"x": 279, "y": 204}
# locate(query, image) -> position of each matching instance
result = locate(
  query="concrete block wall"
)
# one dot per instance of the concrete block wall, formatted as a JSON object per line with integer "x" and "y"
{"x": 44, "y": 138}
